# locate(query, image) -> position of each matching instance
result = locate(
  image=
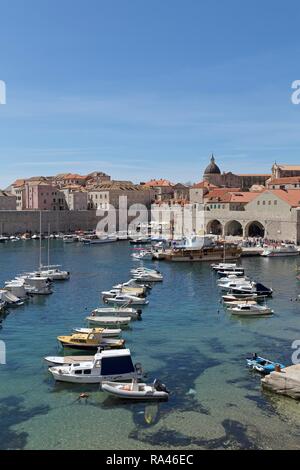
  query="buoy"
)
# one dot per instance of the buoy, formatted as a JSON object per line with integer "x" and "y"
{"x": 84, "y": 395}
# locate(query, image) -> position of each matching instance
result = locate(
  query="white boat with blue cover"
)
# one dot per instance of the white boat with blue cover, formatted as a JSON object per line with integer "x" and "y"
{"x": 114, "y": 365}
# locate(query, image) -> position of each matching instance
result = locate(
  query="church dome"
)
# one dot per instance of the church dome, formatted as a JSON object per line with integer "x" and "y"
{"x": 212, "y": 168}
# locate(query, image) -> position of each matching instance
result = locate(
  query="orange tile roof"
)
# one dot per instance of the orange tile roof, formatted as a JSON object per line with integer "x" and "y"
{"x": 204, "y": 184}
{"x": 289, "y": 167}
{"x": 232, "y": 196}
{"x": 285, "y": 180}
{"x": 19, "y": 182}
{"x": 291, "y": 196}
{"x": 160, "y": 182}
{"x": 255, "y": 174}
{"x": 73, "y": 176}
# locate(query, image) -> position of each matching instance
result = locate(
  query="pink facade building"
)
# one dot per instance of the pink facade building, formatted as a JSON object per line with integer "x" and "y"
{"x": 41, "y": 196}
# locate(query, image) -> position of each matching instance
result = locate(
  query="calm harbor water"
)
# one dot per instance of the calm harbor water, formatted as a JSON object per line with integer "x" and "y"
{"x": 185, "y": 338}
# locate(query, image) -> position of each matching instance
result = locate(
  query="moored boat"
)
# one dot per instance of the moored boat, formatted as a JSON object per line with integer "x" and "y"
{"x": 118, "y": 311}
{"x": 262, "y": 365}
{"x": 250, "y": 310}
{"x": 136, "y": 390}
{"x": 132, "y": 299}
{"x": 90, "y": 341}
{"x": 280, "y": 250}
{"x": 106, "y": 366}
{"x": 105, "y": 332}
{"x": 109, "y": 321}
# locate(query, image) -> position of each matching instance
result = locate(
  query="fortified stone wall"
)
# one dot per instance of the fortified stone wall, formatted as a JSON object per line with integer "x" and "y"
{"x": 18, "y": 222}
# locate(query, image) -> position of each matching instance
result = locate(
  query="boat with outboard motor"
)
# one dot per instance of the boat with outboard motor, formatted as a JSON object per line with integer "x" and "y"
{"x": 137, "y": 390}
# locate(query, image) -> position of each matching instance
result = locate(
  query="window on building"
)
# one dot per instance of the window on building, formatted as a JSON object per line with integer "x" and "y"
{"x": 258, "y": 203}
{"x": 275, "y": 202}
{"x": 264, "y": 203}
{"x": 269, "y": 202}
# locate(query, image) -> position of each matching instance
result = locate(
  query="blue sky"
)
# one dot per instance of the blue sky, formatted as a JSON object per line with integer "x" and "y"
{"x": 147, "y": 88}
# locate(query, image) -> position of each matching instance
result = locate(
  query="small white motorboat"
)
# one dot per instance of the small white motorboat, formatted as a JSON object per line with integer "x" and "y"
{"x": 143, "y": 254}
{"x": 232, "y": 278}
{"x": 118, "y": 311}
{"x": 70, "y": 238}
{"x": 242, "y": 297}
{"x": 54, "y": 273}
{"x": 106, "y": 332}
{"x": 228, "y": 285}
{"x": 250, "y": 310}
{"x": 132, "y": 283}
{"x": 66, "y": 360}
{"x": 17, "y": 288}
{"x": 10, "y": 299}
{"x": 123, "y": 298}
{"x": 136, "y": 391}
{"x": 109, "y": 321}
{"x": 280, "y": 250}
{"x": 147, "y": 276}
{"x": 2, "y": 306}
{"x": 239, "y": 302}
{"x": 223, "y": 266}
{"x": 36, "y": 284}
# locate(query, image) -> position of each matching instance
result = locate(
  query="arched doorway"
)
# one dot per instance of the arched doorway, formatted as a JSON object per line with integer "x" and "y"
{"x": 255, "y": 229}
{"x": 233, "y": 228}
{"x": 214, "y": 227}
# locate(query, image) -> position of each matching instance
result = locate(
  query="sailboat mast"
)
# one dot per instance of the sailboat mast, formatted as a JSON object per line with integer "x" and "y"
{"x": 48, "y": 245}
{"x": 40, "y": 240}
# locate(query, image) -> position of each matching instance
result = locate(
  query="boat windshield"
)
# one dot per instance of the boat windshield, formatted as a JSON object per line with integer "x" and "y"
{"x": 117, "y": 365}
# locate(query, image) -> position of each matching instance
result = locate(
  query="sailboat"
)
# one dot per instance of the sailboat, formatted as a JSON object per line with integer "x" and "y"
{"x": 50, "y": 271}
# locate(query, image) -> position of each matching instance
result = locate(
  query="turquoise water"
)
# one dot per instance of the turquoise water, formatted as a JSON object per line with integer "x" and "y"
{"x": 185, "y": 338}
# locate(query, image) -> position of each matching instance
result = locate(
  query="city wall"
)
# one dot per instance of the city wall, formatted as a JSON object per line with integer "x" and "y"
{"x": 19, "y": 222}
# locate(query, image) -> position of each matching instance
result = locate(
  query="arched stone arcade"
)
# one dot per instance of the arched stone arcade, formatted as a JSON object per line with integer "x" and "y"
{"x": 254, "y": 229}
{"x": 233, "y": 228}
{"x": 214, "y": 227}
